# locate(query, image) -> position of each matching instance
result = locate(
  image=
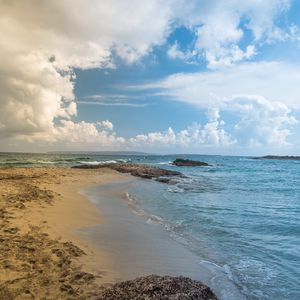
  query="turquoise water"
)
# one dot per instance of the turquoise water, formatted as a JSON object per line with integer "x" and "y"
{"x": 241, "y": 215}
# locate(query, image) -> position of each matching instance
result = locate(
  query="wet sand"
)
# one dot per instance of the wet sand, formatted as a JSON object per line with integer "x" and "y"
{"x": 138, "y": 247}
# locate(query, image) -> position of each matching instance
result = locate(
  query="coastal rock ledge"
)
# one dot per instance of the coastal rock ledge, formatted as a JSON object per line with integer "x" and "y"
{"x": 158, "y": 287}
{"x": 180, "y": 162}
{"x": 138, "y": 170}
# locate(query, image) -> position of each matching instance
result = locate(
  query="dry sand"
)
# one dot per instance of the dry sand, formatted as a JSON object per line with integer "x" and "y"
{"x": 41, "y": 256}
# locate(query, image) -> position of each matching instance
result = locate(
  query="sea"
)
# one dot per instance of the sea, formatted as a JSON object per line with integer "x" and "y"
{"x": 240, "y": 215}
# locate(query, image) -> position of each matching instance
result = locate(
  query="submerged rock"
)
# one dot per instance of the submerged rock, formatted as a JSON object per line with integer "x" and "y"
{"x": 158, "y": 287}
{"x": 180, "y": 162}
{"x": 138, "y": 170}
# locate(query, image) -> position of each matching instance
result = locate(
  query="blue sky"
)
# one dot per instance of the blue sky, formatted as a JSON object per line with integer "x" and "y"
{"x": 192, "y": 77}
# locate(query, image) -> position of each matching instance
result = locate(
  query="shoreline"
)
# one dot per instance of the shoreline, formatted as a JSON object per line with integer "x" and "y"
{"x": 141, "y": 245}
{"x": 43, "y": 252}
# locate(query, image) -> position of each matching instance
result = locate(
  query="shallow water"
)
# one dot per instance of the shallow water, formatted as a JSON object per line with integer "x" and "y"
{"x": 240, "y": 216}
{"x": 139, "y": 246}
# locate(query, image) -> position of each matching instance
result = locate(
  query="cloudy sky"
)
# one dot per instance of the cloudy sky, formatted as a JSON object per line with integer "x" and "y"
{"x": 161, "y": 76}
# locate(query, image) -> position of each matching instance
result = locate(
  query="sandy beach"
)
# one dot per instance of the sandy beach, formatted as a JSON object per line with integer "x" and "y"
{"x": 41, "y": 254}
{"x": 46, "y": 253}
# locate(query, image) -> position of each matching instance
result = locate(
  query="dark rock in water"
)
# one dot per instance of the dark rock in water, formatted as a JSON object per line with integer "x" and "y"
{"x": 278, "y": 157}
{"x": 158, "y": 287}
{"x": 138, "y": 170}
{"x": 180, "y": 162}
{"x": 163, "y": 179}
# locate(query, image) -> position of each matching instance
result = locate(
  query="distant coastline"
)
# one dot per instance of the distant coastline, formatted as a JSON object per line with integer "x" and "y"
{"x": 278, "y": 157}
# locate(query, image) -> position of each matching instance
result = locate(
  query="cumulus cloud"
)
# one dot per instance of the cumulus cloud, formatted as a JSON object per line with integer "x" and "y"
{"x": 106, "y": 124}
{"x": 210, "y": 134}
{"x": 33, "y": 93}
{"x": 77, "y": 136}
{"x": 262, "y": 122}
{"x": 42, "y": 42}
{"x": 260, "y": 95}
{"x": 99, "y": 134}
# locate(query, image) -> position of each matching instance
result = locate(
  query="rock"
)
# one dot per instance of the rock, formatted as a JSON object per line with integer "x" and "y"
{"x": 180, "y": 162}
{"x": 139, "y": 170}
{"x": 163, "y": 179}
{"x": 158, "y": 287}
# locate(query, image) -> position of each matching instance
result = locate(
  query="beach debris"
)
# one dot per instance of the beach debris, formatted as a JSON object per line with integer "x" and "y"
{"x": 158, "y": 287}
{"x": 180, "y": 162}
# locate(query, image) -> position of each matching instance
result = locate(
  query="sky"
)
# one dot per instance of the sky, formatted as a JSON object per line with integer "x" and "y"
{"x": 172, "y": 76}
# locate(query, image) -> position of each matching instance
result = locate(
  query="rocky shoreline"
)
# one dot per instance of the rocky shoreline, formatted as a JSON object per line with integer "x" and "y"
{"x": 138, "y": 170}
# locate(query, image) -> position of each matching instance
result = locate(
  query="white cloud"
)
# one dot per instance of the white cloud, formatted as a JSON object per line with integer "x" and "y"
{"x": 33, "y": 93}
{"x": 114, "y": 103}
{"x": 193, "y": 137}
{"x": 98, "y": 134}
{"x": 262, "y": 122}
{"x": 77, "y": 136}
{"x": 106, "y": 124}
{"x": 276, "y": 81}
{"x": 226, "y": 56}
{"x": 219, "y": 27}
{"x": 174, "y": 52}
{"x": 41, "y": 42}
{"x": 261, "y": 95}
{"x": 113, "y": 100}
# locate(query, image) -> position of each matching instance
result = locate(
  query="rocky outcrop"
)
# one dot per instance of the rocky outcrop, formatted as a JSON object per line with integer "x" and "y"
{"x": 180, "y": 162}
{"x": 278, "y": 157}
{"x": 158, "y": 287}
{"x": 139, "y": 170}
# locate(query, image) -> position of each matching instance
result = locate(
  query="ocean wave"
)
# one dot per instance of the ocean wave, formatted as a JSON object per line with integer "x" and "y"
{"x": 222, "y": 279}
{"x": 245, "y": 275}
{"x": 103, "y": 162}
{"x": 17, "y": 163}
{"x": 151, "y": 219}
{"x": 123, "y": 160}
{"x": 175, "y": 189}
{"x": 165, "y": 163}
{"x": 46, "y": 162}
{"x": 193, "y": 185}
